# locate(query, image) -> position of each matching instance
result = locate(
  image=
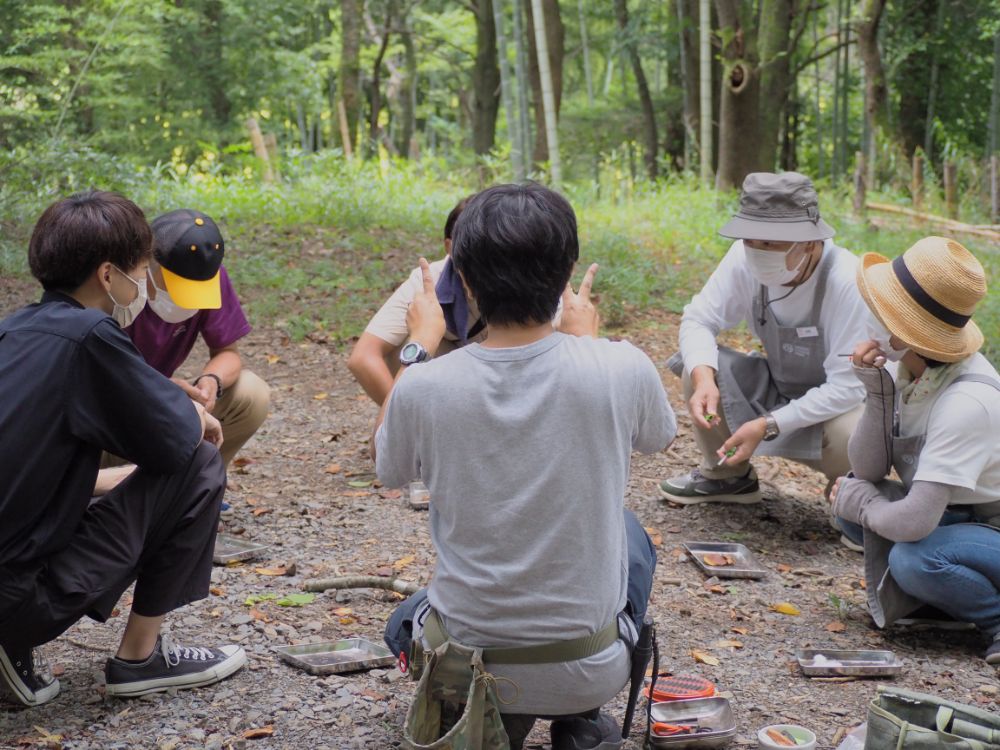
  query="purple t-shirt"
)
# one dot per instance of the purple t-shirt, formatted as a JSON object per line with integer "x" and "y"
{"x": 165, "y": 346}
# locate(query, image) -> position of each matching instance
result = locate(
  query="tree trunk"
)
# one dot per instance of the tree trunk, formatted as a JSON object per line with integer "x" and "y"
{"x": 408, "y": 92}
{"x": 214, "y": 71}
{"x": 993, "y": 137}
{"x": 819, "y": 108}
{"x": 587, "y": 72}
{"x": 705, "y": 89}
{"x": 772, "y": 43}
{"x": 738, "y": 109}
{"x": 555, "y": 42}
{"x": 485, "y": 80}
{"x": 932, "y": 90}
{"x": 645, "y": 100}
{"x": 521, "y": 70}
{"x": 689, "y": 76}
{"x": 550, "y": 108}
{"x": 516, "y": 156}
{"x": 876, "y": 93}
{"x": 350, "y": 66}
{"x": 376, "y": 98}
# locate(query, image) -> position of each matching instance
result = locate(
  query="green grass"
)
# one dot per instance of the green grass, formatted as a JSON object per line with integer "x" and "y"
{"x": 317, "y": 253}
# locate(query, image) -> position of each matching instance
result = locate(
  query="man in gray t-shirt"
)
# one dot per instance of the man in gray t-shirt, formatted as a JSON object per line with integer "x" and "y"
{"x": 525, "y": 442}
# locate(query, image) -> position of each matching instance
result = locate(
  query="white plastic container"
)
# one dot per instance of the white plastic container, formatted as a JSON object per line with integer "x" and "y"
{"x": 806, "y": 740}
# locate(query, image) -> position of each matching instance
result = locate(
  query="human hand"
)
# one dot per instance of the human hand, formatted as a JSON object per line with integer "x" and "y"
{"x": 868, "y": 354}
{"x": 211, "y": 428}
{"x": 703, "y": 406}
{"x": 208, "y": 389}
{"x": 834, "y": 490}
{"x": 192, "y": 393}
{"x": 579, "y": 315}
{"x": 424, "y": 317}
{"x": 742, "y": 443}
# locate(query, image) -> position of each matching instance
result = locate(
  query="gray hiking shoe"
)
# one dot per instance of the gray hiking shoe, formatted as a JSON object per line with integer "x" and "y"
{"x": 172, "y": 666}
{"x": 693, "y": 488}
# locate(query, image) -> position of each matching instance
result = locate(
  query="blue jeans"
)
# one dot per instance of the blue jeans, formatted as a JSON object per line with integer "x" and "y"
{"x": 641, "y": 564}
{"x": 956, "y": 568}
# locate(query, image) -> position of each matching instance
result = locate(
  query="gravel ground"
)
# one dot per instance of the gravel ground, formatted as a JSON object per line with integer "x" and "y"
{"x": 304, "y": 486}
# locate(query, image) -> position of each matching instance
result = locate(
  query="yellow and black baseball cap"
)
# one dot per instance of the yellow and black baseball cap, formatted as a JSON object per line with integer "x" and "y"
{"x": 189, "y": 248}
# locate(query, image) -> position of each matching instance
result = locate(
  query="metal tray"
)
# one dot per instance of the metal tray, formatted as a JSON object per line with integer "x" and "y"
{"x": 707, "y": 712}
{"x": 347, "y": 655}
{"x": 230, "y": 549}
{"x": 848, "y": 663}
{"x": 744, "y": 565}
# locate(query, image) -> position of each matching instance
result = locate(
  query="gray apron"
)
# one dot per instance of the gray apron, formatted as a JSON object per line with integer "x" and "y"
{"x": 751, "y": 385}
{"x": 886, "y": 600}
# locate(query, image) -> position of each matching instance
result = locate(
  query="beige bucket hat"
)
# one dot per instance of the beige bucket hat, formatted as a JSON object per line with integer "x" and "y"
{"x": 926, "y": 297}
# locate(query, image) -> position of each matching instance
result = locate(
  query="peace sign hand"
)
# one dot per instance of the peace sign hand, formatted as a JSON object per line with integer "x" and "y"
{"x": 579, "y": 316}
{"x": 424, "y": 317}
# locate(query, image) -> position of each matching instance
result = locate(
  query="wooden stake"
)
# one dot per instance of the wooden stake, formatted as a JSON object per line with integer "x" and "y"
{"x": 951, "y": 189}
{"x": 271, "y": 144}
{"x": 361, "y": 582}
{"x": 859, "y": 184}
{"x": 917, "y": 183}
{"x": 259, "y": 149}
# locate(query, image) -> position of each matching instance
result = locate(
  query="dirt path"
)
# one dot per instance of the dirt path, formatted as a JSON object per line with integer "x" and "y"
{"x": 300, "y": 489}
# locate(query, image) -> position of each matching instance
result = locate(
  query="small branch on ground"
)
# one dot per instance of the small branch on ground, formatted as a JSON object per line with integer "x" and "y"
{"x": 362, "y": 582}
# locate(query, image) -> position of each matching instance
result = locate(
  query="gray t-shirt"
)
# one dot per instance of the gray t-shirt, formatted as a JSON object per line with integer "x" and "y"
{"x": 526, "y": 453}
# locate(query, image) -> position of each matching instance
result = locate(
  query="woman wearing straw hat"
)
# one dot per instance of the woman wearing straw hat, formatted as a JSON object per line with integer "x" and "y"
{"x": 933, "y": 538}
{"x": 794, "y": 288}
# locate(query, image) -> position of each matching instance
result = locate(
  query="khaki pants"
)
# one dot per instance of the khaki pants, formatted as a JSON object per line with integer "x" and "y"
{"x": 241, "y": 410}
{"x": 833, "y": 462}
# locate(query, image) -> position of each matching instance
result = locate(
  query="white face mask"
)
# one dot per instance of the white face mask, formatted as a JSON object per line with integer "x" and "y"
{"x": 165, "y": 307}
{"x": 770, "y": 267}
{"x": 880, "y": 335}
{"x": 125, "y": 314}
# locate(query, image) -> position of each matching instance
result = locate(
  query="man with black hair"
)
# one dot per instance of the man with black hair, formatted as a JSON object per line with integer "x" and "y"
{"x": 374, "y": 360}
{"x": 71, "y": 385}
{"x": 525, "y": 443}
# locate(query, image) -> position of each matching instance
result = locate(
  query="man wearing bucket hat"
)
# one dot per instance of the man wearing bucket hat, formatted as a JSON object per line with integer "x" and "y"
{"x": 937, "y": 531}
{"x": 190, "y": 295}
{"x": 795, "y": 289}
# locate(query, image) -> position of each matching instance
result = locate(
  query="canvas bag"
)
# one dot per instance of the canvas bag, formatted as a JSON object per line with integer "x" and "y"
{"x": 900, "y": 719}
{"x": 455, "y": 673}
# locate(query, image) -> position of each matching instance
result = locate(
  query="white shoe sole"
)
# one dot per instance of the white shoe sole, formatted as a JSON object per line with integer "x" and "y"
{"x": 13, "y": 685}
{"x": 748, "y": 498}
{"x": 219, "y": 672}
{"x": 849, "y": 543}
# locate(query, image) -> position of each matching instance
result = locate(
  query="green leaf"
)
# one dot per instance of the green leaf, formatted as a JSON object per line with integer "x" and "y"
{"x": 296, "y": 600}
{"x": 359, "y": 483}
{"x": 254, "y": 598}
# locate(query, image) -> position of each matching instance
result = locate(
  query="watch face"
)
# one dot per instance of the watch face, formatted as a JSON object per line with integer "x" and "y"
{"x": 410, "y": 352}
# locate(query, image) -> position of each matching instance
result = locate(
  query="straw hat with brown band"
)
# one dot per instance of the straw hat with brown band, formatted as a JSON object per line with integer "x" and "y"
{"x": 926, "y": 297}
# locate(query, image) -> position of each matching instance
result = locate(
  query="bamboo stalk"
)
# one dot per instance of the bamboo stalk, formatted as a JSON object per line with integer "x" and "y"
{"x": 951, "y": 189}
{"x": 990, "y": 232}
{"x": 259, "y": 149}
{"x": 361, "y": 582}
{"x": 917, "y": 184}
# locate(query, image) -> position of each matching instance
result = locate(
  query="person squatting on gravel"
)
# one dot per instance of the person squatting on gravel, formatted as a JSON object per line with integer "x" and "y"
{"x": 794, "y": 287}
{"x": 72, "y": 540}
{"x": 933, "y": 538}
{"x": 525, "y": 442}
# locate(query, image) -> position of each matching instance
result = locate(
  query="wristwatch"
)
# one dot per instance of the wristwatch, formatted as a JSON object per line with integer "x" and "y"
{"x": 213, "y": 376}
{"x": 413, "y": 352}
{"x": 771, "y": 430}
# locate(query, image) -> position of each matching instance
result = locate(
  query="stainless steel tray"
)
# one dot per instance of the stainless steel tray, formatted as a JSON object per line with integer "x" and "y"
{"x": 230, "y": 549}
{"x": 714, "y": 713}
{"x": 848, "y": 662}
{"x": 348, "y": 655}
{"x": 744, "y": 565}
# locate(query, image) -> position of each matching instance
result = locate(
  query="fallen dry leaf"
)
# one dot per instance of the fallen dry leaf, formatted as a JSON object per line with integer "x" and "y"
{"x": 258, "y": 615}
{"x": 783, "y": 568}
{"x": 727, "y": 644}
{"x": 260, "y": 511}
{"x": 403, "y": 562}
{"x": 836, "y": 626}
{"x": 259, "y": 733}
{"x": 217, "y": 591}
{"x": 655, "y": 536}
{"x": 332, "y": 469}
{"x": 320, "y": 396}
{"x": 786, "y": 608}
{"x": 703, "y": 657}
{"x": 272, "y": 358}
{"x": 717, "y": 561}
{"x": 340, "y": 611}
{"x": 277, "y": 571}
{"x": 741, "y": 631}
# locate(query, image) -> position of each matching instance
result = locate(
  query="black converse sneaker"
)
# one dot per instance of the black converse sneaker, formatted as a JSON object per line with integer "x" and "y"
{"x": 172, "y": 666}
{"x": 689, "y": 489}
{"x": 26, "y": 676}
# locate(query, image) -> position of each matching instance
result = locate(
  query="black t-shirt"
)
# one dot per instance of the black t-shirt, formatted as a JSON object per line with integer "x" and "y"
{"x": 71, "y": 385}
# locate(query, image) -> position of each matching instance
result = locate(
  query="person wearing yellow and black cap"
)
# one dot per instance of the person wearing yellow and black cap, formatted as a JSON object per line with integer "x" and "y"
{"x": 190, "y": 295}
{"x": 932, "y": 538}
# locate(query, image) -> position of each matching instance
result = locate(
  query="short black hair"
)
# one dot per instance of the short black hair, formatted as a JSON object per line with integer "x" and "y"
{"x": 449, "y": 224}
{"x": 515, "y": 246}
{"x": 77, "y": 234}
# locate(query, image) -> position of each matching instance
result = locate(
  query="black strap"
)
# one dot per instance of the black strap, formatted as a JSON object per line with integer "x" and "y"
{"x": 922, "y": 298}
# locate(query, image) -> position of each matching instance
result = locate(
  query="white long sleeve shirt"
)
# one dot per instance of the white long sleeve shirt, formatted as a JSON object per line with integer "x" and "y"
{"x": 726, "y": 300}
